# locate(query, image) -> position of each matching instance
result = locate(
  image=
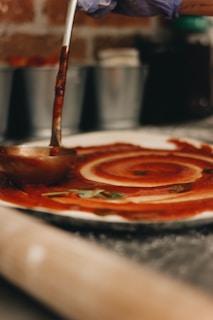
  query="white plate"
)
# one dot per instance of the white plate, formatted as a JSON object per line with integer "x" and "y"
{"x": 138, "y": 137}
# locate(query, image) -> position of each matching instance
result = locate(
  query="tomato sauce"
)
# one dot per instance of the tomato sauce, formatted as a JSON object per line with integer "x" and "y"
{"x": 139, "y": 184}
{"x": 59, "y": 97}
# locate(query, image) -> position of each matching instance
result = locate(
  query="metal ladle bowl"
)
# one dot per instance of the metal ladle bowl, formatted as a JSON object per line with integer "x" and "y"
{"x": 36, "y": 165}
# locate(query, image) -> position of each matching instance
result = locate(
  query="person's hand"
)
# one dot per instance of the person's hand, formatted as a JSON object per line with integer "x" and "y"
{"x": 97, "y": 8}
{"x": 136, "y": 8}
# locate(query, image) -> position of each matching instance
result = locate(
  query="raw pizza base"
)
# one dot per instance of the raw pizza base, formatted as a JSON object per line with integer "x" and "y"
{"x": 138, "y": 137}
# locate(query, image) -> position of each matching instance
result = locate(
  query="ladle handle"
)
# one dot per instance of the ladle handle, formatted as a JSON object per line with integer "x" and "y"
{"x": 197, "y": 7}
{"x": 61, "y": 76}
{"x": 69, "y": 22}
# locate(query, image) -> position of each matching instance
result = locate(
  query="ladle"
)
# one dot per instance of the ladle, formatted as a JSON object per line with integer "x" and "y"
{"x": 44, "y": 165}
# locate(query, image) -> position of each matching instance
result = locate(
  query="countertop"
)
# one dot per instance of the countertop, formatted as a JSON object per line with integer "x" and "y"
{"x": 185, "y": 254}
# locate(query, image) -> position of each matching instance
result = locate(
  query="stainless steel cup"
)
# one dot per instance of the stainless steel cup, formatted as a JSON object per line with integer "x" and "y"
{"x": 6, "y": 76}
{"x": 40, "y": 90}
{"x": 119, "y": 93}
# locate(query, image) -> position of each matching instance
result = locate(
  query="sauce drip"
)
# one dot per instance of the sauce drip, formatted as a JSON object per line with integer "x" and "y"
{"x": 59, "y": 97}
{"x": 139, "y": 184}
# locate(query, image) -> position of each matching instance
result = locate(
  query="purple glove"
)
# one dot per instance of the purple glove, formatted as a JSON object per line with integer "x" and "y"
{"x": 136, "y": 8}
{"x": 97, "y": 8}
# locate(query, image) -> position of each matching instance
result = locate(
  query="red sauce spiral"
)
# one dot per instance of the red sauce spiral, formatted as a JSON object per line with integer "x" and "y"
{"x": 129, "y": 181}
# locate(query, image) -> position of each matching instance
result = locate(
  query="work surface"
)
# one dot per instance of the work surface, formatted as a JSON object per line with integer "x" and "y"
{"x": 186, "y": 254}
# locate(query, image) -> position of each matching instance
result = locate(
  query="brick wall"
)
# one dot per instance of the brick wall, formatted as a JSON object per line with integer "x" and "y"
{"x": 34, "y": 28}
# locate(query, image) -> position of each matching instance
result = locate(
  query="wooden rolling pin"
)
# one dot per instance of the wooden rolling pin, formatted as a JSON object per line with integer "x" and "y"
{"x": 197, "y": 7}
{"x": 80, "y": 280}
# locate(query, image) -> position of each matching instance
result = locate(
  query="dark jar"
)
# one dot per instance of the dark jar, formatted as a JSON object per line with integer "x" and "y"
{"x": 192, "y": 35}
{"x": 179, "y": 84}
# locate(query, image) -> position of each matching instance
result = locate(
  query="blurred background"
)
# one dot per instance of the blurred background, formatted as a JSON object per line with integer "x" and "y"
{"x": 178, "y": 57}
{"x": 176, "y": 88}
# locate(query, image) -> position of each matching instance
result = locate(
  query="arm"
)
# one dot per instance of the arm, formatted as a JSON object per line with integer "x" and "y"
{"x": 201, "y": 7}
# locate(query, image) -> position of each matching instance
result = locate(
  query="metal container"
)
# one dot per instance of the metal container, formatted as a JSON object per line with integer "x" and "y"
{"x": 40, "y": 90}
